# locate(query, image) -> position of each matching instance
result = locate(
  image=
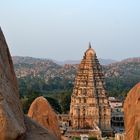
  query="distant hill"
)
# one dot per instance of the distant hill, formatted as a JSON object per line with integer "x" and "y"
{"x": 106, "y": 61}
{"x": 122, "y": 76}
{"x": 42, "y": 68}
{"x": 102, "y": 61}
{"x": 30, "y": 60}
{"x": 67, "y": 62}
{"x": 47, "y": 75}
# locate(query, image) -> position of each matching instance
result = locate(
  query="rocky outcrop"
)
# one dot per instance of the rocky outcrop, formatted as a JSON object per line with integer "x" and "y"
{"x": 132, "y": 114}
{"x": 11, "y": 116}
{"x": 41, "y": 111}
{"x": 13, "y": 124}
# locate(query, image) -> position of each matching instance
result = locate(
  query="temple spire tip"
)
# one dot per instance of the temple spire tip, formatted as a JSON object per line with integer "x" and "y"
{"x": 89, "y": 45}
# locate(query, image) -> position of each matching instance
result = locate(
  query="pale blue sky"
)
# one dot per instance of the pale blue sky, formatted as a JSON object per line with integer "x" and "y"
{"x": 61, "y": 29}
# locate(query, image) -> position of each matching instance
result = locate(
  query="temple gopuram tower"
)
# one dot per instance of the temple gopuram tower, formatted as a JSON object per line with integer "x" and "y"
{"x": 89, "y": 107}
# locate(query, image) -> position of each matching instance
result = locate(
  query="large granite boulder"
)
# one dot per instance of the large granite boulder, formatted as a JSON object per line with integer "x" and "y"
{"x": 11, "y": 116}
{"x": 41, "y": 111}
{"x": 13, "y": 124}
{"x": 132, "y": 114}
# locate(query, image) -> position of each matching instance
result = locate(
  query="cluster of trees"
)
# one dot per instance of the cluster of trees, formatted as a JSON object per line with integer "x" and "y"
{"x": 39, "y": 84}
{"x": 55, "y": 91}
{"x": 59, "y": 101}
{"x": 129, "y": 75}
{"x": 119, "y": 87}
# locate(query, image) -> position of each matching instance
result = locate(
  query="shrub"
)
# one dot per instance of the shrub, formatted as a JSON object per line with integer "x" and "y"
{"x": 92, "y": 138}
{"x": 76, "y": 138}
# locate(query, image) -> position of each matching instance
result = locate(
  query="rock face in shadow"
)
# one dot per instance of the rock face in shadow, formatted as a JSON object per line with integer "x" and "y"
{"x": 132, "y": 114}
{"x": 13, "y": 124}
{"x": 36, "y": 132}
{"x": 41, "y": 111}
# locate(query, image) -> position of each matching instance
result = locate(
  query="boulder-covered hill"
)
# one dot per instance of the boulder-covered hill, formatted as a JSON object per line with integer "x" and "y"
{"x": 122, "y": 76}
{"x": 46, "y": 68}
{"x": 46, "y": 75}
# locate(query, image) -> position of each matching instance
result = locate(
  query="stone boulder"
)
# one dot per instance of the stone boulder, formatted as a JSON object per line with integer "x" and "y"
{"x": 11, "y": 116}
{"x": 41, "y": 111}
{"x": 132, "y": 114}
{"x": 13, "y": 124}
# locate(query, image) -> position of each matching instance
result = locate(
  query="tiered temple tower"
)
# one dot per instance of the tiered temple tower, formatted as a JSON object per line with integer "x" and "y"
{"x": 89, "y": 104}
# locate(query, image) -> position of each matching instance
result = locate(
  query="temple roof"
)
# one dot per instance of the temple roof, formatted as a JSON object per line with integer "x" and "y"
{"x": 90, "y": 51}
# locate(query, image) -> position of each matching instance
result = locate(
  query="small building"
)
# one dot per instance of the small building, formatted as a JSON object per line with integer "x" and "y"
{"x": 84, "y": 137}
{"x": 117, "y": 115}
{"x": 117, "y": 120}
{"x": 114, "y": 103}
{"x": 119, "y": 136}
{"x": 64, "y": 122}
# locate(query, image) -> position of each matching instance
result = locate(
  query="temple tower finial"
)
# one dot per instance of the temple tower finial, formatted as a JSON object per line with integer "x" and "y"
{"x": 89, "y": 45}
